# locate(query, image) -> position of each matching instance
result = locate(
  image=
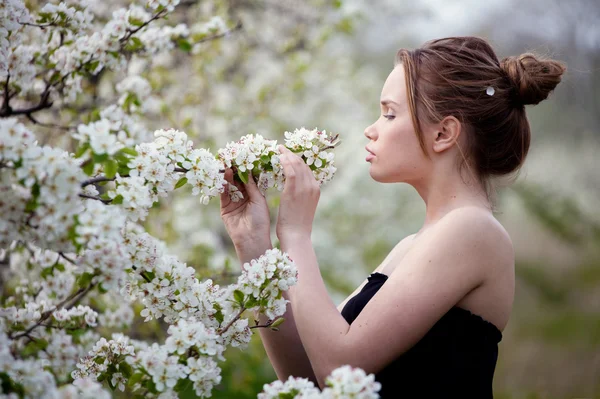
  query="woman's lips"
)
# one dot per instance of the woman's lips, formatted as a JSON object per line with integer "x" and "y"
{"x": 370, "y": 154}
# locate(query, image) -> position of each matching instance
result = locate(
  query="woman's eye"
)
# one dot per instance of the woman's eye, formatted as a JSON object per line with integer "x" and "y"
{"x": 389, "y": 117}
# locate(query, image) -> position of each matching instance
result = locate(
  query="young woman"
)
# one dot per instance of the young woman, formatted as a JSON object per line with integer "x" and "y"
{"x": 428, "y": 320}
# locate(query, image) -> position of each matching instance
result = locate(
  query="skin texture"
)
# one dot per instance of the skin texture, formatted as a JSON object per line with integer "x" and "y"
{"x": 462, "y": 256}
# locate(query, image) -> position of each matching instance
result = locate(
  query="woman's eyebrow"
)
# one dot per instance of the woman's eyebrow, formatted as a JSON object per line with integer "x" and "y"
{"x": 388, "y": 101}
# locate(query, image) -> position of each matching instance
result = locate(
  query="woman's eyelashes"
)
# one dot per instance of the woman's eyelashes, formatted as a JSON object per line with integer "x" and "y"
{"x": 389, "y": 117}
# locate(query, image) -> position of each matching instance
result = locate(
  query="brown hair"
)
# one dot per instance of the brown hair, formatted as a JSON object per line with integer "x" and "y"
{"x": 450, "y": 76}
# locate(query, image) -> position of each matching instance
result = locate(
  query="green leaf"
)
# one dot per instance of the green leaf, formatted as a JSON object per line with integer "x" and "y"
{"x": 88, "y": 167}
{"x": 251, "y": 302}
{"x": 135, "y": 378}
{"x": 134, "y": 44}
{"x": 35, "y": 190}
{"x": 123, "y": 170}
{"x": 277, "y": 323}
{"x": 117, "y": 200}
{"x": 93, "y": 65}
{"x": 135, "y": 22}
{"x": 219, "y": 316}
{"x": 82, "y": 150}
{"x": 181, "y": 385}
{"x": 77, "y": 333}
{"x": 94, "y": 115}
{"x": 149, "y": 385}
{"x": 184, "y": 45}
{"x": 46, "y": 272}
{"x": 99, "y": 158}
{"x": 126, "y": 369}
{"x": 55, "y": 78}
{"x": 129, "y": 151}
{"x": 238, "y": 296}
{"x": 102, "y": 289}
{"x": 182, "y": 182}
{"x": 31, "y": 205}
{"x": 110, "y": 168}
{"x": 34, "y": 347}
{"x": 84, "y": 280}
{"x": 243, "y": 176}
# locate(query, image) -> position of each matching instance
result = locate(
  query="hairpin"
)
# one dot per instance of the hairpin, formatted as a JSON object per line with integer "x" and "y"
{"x": 490, "y": 91}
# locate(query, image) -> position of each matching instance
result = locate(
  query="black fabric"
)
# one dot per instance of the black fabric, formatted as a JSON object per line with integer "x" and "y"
{"x": 455, "y": 359}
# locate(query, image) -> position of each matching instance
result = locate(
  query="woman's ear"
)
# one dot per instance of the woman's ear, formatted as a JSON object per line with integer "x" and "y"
{"x": 446, "y": 133}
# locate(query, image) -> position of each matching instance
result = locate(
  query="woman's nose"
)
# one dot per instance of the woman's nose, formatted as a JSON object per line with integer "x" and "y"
{"x": 370, "y": 133}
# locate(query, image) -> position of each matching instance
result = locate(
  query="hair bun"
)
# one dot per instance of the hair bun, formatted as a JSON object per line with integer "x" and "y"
{"x": 533, "y": 78}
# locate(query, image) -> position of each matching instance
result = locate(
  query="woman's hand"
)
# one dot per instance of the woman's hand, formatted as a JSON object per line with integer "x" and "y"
{"x": 247, "y": 221}
{"x": 299, "y": 198}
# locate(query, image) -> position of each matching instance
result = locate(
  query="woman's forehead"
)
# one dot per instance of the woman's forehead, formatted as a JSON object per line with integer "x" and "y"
{"x": 394, "y": 88}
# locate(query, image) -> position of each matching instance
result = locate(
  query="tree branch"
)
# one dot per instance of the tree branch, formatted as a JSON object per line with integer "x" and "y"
{"x": 236, "y": 318}
{"x": 105, "y": 201}
{"x": 43, "y": 104}
{"x": 73, "y": 299}
{"x": 237, "y": 27}
{"x": 50, "y": 125}
{"x": 62, "y": 255}
{"x": 134, "y": 31}
{"x": 5, "y": 105}
{"x": 98, "y": 179}
{"x": 268, "y": 324}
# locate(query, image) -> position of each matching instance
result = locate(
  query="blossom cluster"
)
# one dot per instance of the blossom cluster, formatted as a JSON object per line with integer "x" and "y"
{"x": 256, "y": 156}
{"x": 169, "y": 289}
{"x": 186, "y": 355}
{"x": 205, "y": 319}
{"x": 345, "y": 382}
{"x": 171, "y": 161}
{"x": 70, "y": 44}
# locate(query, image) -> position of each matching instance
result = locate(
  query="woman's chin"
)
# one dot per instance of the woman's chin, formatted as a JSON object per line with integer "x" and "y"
{"x": 382, "y": 177}
{"x": 376, "y": 176}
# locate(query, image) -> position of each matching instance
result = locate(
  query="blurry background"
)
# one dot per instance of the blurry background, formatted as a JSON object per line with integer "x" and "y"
{"x": 322, "y": 63}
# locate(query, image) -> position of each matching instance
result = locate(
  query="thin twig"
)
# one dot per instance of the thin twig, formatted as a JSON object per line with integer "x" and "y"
{"x": 99, "y": 179}
{"x": 38, "y": 25}
{"x": 73, "y": 299}
{"x": 43, "y": 104}
{"x": 134, "y": 31}
{"x": 50, "y": 125}
{"x": 5, "y": 105}
{"x": 238, "y": 26}
{"x": 236, "y": 318}
{"x": 269, "y": 324}
{"x": 62, "y": 255}
{"x": 105, "y": 201}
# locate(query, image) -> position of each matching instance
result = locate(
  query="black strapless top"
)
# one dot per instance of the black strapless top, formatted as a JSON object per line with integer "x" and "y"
{"x": 455, "y": 359}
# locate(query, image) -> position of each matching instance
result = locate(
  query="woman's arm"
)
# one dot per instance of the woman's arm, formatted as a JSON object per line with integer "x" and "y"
{"x": 430, "y": 279}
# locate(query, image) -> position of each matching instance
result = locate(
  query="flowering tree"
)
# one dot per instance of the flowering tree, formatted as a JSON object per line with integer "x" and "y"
{"x": 70, "y": 232}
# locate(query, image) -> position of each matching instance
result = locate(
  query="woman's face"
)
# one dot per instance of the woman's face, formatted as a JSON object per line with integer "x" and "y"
{"x": 395, "y": 153}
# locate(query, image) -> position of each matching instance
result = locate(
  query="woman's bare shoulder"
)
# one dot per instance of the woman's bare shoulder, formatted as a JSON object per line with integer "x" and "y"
{"x": 483, "y": 237}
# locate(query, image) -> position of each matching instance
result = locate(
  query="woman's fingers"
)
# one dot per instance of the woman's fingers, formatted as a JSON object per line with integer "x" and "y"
{"x": 296, "y": 169}
{"x": 254, "y": 193}
{"x": 286, "y": 162}
{"x": 225, "y": 199}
